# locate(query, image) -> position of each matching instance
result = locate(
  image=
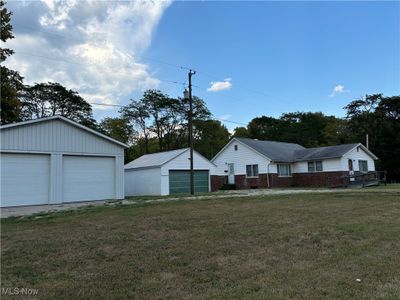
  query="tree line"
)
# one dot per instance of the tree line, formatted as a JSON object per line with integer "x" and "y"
{"x": 157, "y": 122}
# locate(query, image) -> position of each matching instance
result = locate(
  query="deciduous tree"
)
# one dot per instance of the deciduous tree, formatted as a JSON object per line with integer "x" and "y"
{"x": 50, "y": 99}
{"x": 11, "y": 81}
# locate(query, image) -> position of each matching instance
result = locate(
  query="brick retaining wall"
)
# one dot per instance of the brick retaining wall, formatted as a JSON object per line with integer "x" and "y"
{"x": 317, "y": 179}
{"x": 217, "y": 182}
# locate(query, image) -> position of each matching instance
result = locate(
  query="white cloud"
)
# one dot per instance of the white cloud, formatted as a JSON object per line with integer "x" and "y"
{"x": 90, "y": 46}
{"x": 339, "y": 89}
{"x": 58, "y": 13}
{"x": 220, "y": 85}
{"x": 224, "y": 117}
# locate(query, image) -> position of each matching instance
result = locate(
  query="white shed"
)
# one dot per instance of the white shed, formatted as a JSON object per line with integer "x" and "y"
{"x": 54, "y": 160}
{"x": 166, "y": 173}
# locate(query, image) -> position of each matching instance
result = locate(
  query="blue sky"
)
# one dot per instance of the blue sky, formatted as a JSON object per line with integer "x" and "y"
{"x": 271, "y": 57}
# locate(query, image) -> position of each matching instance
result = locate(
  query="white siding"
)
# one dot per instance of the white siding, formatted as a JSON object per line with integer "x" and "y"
{"x": 155, "y": 181}
{"x": 164, "y": 185}
{"x": 240, "y": 158}
{"x": 328, "y": 165}
{"x": 247, "y": 156}
{"x": 55, "y": 139}
{"x": 181, "y": 162}
{"x": 55, "y": 136}
{"x": 119, "y": 177}
{"x": 356, "y": 156}
{"x": 143, "y": 182}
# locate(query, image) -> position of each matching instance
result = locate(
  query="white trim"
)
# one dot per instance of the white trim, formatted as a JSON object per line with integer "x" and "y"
{"x": 252, "y": 171}
{"x": 290, "y": 169}
{"x": 67, "y": 121}
{"x": 194, "y": 151}
{"x": 315, "y": 166}
{"x": 60, "y": 152}
{"x": 366, "y": 150}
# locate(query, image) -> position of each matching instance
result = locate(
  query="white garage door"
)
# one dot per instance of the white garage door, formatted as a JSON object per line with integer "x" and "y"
{"x": 25, "y": 179}
{"x": 88, "y": 178}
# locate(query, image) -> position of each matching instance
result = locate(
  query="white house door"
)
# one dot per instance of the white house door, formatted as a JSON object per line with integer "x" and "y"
{"x": 231, "y": 174}
{"x": 351, "y": 169}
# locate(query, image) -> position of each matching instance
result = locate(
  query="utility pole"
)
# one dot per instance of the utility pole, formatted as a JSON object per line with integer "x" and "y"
{"x": 191, "y": 73}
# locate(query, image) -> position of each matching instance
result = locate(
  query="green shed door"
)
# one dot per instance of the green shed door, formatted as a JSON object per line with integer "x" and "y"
{"x": 179, "y": 182}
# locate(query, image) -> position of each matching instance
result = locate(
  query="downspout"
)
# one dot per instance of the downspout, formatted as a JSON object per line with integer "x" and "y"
{"x": 268, "y": 174}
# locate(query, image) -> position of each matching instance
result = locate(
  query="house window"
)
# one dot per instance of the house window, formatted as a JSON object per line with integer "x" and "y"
{"x": 363, "y": 165}
{"x": 236, "y": 147}
{"x": 284, "y": 170}
{"x": 315, "y": 166}
{"x": 252, "y": 170}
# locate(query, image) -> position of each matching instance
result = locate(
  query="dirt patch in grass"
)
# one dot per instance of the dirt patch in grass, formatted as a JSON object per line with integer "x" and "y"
{"x": 288, "y": 246}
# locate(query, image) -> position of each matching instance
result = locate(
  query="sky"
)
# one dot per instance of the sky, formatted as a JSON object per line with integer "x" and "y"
{"x": 251, "y": 58}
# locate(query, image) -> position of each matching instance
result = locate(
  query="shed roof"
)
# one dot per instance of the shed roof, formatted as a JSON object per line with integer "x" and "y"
{"x": 64, "y": 119}
{"x": 154, "y": 159}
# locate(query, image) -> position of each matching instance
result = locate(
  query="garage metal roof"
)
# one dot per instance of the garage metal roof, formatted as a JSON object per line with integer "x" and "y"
{"x": 64, "y": 119}
{"x": 154, "y": 159}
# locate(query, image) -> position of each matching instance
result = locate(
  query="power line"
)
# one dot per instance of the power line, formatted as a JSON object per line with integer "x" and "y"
{"x": 228, "y": 121}
{"x": 85, "y": 64}
{"x": 80, "y": 41}
{"x": 144, "y": 57}
{"x": 118, "y": 105}
{"x": 105, "y": 104}
{"x": 213, "y": 77}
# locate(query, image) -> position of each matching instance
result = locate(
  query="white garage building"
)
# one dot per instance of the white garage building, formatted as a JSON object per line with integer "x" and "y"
{"x": 55, "y": 160}
{"x": 166, "y": 173}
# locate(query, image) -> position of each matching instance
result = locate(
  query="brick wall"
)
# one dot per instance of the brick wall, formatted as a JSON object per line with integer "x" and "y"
{"x": 242, "y": 182}
{"x": 217, "y": 182}
{"x": 276, "y": 181}
{"x": 319, "y": 179}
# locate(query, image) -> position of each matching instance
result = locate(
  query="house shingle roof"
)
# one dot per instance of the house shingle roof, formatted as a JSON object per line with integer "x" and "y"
{"x": 323, "y": 152}
{"x": 154, "y": 160}
{"x": 290, "y": 152}
{"x": 277, "y": 151}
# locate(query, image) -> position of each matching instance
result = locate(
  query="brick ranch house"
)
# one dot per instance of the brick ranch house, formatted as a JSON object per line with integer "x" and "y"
{"x": 250, "y": 163}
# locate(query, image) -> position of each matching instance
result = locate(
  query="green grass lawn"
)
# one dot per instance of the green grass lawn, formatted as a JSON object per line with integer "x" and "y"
{"x": 290, "y": 246}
